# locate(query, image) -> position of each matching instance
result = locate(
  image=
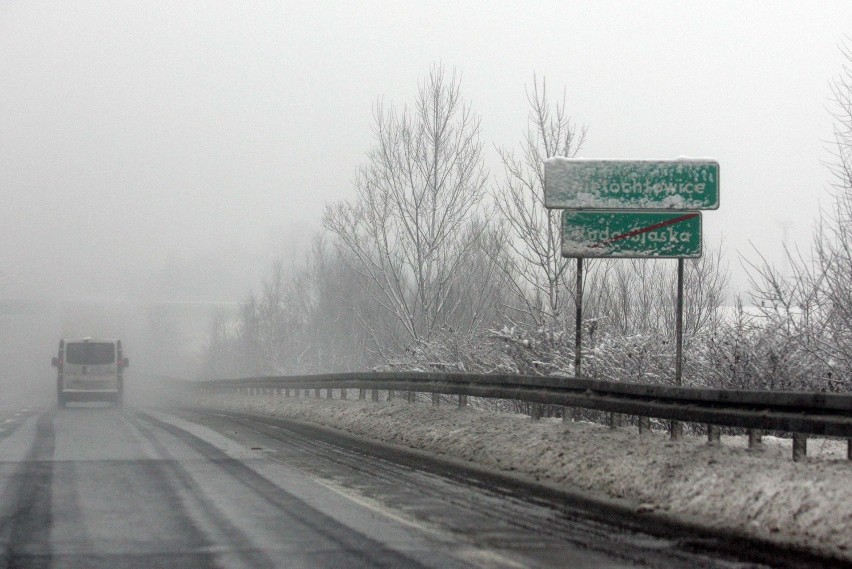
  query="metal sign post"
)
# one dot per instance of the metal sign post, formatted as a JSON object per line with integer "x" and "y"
{"x": 578, "y": 332}
{"x": 677, "y": 426}
{"x": 679, "y": 325}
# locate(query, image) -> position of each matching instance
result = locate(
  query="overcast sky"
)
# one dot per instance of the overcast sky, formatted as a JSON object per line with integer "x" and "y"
{"x": 173, "y": 148}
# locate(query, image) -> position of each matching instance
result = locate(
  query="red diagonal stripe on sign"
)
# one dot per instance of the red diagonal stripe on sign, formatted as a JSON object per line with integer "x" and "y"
{"x": 642, "y": 230}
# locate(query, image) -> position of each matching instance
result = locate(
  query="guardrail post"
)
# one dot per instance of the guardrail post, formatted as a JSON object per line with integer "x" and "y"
{"x": 644, "y": 425}
{"x": 286, "y": 392}
{"x": 316, "y": 393}
{"x": 566, "y": 414}
{"x": 391, "y": 394}
{"x": 714, "y": 435}
{"x": 436, "y": 399}
{"x": 409, "y": 397}
{"x": 362, "y": 393}
{"x": 343, "y": 392}
{"x": 375, "y": 395}
{"x": 614, "y": 420}
{"x": 800, "y": 447}
{"x": 849, "y": 449}
{"x": 755, "y": 439}
{"x": 535, "y": 411}
{"x": 462, "y": 401}
{"x": 676, "y": 430}
{"x": 328, "y": 394}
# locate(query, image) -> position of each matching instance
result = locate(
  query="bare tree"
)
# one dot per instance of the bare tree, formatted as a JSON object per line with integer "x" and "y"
{"x": 408, "y": 231}
{"x": 810, "y": 310}
{"x": 220, "y": 358}
{"x": 632, "y": 311}
{"x": 533, "y": 267}
{"x": 834, "y": 240}
{"x": 327, "y": 290}
{"x": 707, "y": 286}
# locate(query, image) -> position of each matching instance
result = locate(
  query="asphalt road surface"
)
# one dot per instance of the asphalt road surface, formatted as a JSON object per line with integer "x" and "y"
{"x": 93, "y": 486}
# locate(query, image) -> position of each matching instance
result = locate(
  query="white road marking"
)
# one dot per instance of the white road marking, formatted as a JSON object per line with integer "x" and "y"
{"x": 375, "y": 507}
{"x": 484, "y": 558}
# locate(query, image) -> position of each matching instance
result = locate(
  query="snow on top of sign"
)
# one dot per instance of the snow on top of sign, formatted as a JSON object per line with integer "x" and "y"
{"x": 564, "y": 159}
{"x": 696, "y": 159}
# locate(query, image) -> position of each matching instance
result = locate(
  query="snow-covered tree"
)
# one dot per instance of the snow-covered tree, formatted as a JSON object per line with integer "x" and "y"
{"x": 533, "y": 269}
{"x": 412, "y": 227}
{"x": 810, "y": 308}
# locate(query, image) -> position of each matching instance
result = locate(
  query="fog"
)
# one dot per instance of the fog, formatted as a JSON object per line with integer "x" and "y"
{"x": 156, "y": 157}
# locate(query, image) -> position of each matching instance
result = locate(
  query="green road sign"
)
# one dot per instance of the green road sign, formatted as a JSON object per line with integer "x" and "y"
{"x": 685, "y": 184}
{"x": 631, "y": 234}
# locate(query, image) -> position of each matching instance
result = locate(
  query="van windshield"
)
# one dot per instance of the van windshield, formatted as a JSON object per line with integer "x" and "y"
{"x": 90, "y": 353}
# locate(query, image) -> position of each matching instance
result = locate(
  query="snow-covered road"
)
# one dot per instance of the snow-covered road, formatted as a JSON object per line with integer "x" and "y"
{"x": 94, "y": 486}
{"x": 761, "y": 493}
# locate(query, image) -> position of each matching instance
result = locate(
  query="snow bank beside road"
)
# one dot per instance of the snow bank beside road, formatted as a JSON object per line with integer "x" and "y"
{"x": 763, "y": 494}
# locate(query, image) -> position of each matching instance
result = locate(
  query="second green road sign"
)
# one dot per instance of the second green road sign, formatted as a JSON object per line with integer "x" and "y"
{"x": 631, "y": 234}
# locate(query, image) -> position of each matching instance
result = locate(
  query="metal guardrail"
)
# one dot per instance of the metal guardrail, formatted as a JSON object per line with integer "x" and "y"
{"x": 799, "y": 413}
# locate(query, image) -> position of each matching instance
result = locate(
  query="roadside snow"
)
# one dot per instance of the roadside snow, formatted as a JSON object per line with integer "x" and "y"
{"x": 758, "y": 493}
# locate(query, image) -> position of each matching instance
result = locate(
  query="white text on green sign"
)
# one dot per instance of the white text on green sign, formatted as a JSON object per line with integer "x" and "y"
{"x": 631, "y": 234}
{"x": 684, "y": 184}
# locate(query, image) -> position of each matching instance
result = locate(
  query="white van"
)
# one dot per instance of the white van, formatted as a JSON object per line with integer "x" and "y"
{"x": 90, "y": 369}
